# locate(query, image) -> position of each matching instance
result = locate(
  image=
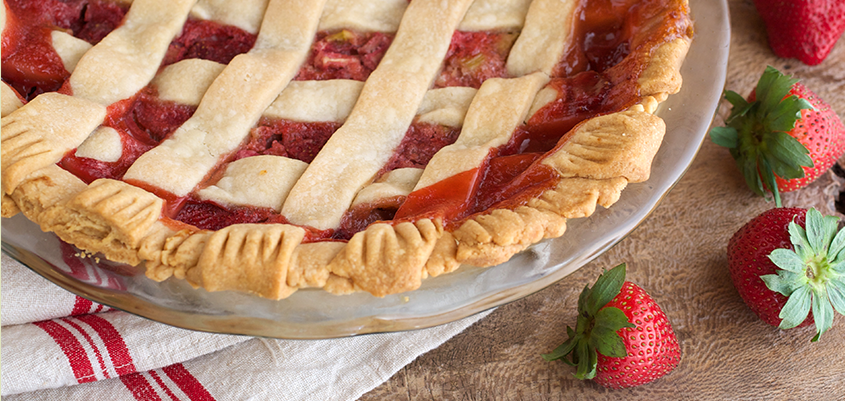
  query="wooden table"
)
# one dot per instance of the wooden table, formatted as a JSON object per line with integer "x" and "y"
{"x": 678, "y": 256}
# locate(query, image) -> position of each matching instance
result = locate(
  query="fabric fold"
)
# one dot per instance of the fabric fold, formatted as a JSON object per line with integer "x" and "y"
{"x": 61, "y": 346}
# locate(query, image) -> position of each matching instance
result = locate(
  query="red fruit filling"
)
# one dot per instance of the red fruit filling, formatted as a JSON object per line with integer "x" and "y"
{"x": 474, "y": 57}
{"x": 208, "y": 40}
{"x": 344, "y": 55}
{"x": 30, "y": 65}
{"x": 143, "y": 122}
{"x": 296, "y": 140}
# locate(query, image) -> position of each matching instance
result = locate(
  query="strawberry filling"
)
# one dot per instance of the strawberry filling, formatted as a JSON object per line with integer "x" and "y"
{"x": 344, "y": 55}
{"x": 143, "y": 122}
{"x": 296, "y": 140}
{"x": 474, "y": 57}
{"x": 30, "y": 65}
{"x": 211, "y": 216}
{"x": 208, "y": 40}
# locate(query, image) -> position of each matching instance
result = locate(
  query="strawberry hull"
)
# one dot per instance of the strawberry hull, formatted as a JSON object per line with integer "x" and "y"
{"x": 748, "y": 258}
{"x": 653, "y": 349}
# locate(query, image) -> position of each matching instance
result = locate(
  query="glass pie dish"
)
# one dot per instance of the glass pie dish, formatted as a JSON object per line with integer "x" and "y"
{"x": 311, "y": 314}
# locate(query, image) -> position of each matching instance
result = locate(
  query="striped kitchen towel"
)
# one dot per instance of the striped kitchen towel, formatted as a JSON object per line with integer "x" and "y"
{"x": 56, "y": 345}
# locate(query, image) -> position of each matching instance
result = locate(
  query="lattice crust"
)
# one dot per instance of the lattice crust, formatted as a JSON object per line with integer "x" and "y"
{"x": 203, "y": 159}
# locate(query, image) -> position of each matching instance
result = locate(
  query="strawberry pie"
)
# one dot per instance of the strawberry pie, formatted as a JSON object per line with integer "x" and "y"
{"x": 266, "y": 146}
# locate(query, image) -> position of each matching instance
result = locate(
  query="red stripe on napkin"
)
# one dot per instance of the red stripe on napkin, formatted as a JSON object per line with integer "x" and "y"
{"x": 118, "y": 352}
{"x": 76, "y": 355}
{"x": 94, "y": 347}
{"x": 187, "y": 382}
{"x": 81, "y": 306}
{"x": 161, "y": 384}
{"x": 140, "y": 388}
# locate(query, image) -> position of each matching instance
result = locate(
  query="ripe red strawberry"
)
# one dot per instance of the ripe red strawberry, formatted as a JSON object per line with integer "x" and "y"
{"x": 803, "y": 29}
{"x": 622, "y": 338}
{"x": 782, "y": 137}
{"x": 789, "y": 261}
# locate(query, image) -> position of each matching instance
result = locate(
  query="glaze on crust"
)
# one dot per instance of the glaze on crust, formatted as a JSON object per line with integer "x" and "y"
{"x": 590, "y": 166}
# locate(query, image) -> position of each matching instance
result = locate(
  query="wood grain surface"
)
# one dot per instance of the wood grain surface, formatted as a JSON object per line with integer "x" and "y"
{"x": 678, "y": 256}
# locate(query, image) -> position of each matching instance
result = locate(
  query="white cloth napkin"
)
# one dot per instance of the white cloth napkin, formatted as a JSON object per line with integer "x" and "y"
{"x": 56, "y": 345}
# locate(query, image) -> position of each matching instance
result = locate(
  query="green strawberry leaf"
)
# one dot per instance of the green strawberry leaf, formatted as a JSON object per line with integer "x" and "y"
{"x": 596, "y": 326}
{"x": 786, "y": 154}
{"x": 785, "y": 282}
{"x": 822, "y": 313}
{"x": 836, "y": 294}
{"x": 563, "y": 349}
{"x": 752, "y": 178}
{"x": 582, "y": 299}
{"x": 837, "y": 245}
{"x": 757, "y": 133}
{"x": 773, "y": 87}
{"x": 818, "y": 233}
{"x": 798, "y": 237}
{"x": 788, "y": 260}
{"x": 587, "y": 361}
{"x": 724, "y": 136}
{"x": 769, "y": 180}
{"x": 784, "y": 115}
{"x": 737, "y": 101}
{"x": 604, "y": 337}
{"x": 607, "y": 286}
{"x": 741, "y": 107}
{"x": 797, "y": 308}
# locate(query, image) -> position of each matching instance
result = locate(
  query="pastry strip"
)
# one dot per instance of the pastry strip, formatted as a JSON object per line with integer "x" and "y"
{"x": 244, "y": 14}
{"x": 127, "y": 59}
{"x": 500, "y": 106}
{"x": 262, "y": 181}
{"x": 69, "y": 48}
{"x": 540, "y": 45}
{"x": 234, "y": 102}
{"x": 10, "y": 100}
{"x": 363, "y": 15}
{"x": 389, "y": 100}
{"x": 33, "y": 136}
{"x": 499, "y": 15}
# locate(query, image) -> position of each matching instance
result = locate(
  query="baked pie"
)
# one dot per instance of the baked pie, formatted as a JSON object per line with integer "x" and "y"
{"x": 268, "y": 146}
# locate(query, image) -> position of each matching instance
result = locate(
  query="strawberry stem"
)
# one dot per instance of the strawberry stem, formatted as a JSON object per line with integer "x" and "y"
{"x": 812, "y": 275}
{"x": 757, "y": 134}
{"x": 596, "y": 327}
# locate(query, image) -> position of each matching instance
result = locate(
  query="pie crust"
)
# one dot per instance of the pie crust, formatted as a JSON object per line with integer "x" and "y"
{"x": 128, "y": 220}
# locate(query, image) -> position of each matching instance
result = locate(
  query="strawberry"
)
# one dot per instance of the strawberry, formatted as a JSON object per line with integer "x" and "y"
{"x": 803, "y": 29}
{"x": 782, "y": 137}
{"x": 789, "y": 261}
{"x": 622, "y": 338}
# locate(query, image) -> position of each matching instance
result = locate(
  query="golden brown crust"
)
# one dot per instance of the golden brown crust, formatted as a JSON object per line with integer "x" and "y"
{"x": 250, "y": 258}
{"x": 45, "y": 189}
{"x": 387, "y": 259}
{"x": 39, "y": 134}
{"x": 444, "y": 256}
{"x": 615, "y": 145}
{"x": 492, "y": 238}
{"x": 109, "y": 216}
{"x": 9, "y": 207}
{"x": 309, "y": 264}
{"x": 594, "y": 164}
{"x": 663, "y": 73}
